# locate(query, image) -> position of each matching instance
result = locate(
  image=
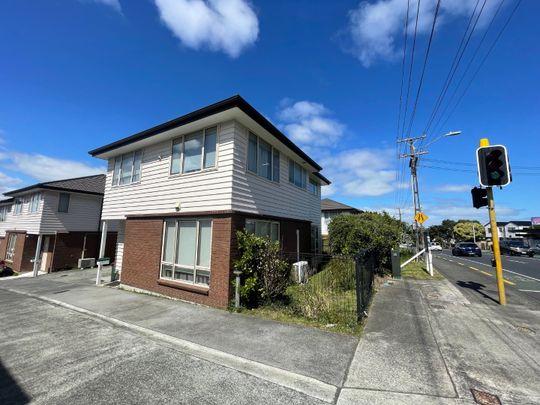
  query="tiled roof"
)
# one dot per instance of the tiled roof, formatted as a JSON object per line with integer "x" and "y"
{"x": 94, "y": 184}
{"x": 331, "y": 205}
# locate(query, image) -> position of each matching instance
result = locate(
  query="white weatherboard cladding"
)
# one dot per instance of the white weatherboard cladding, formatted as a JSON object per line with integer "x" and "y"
{"x": 160, "y": 192}
{"x": 119, "y": 255}
{"x": 25, "y": 221}
{"x": 255, "y": 194}
{"x": 83, "y": 213}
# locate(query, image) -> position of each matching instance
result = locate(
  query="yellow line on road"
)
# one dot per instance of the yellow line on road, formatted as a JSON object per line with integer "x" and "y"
{"x": 474, "y": 268}
{"x": 486, "y": 273}
{"x": 509, "y": 282}
{"x": 461, "y": 264}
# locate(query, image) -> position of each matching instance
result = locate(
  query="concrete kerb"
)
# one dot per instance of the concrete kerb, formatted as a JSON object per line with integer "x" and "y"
{"x": 306, "y": 385}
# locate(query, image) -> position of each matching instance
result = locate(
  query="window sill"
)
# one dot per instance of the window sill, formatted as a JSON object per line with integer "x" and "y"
{"x": 176, "y": 175}
{"x": 184, "y": 286}
{"x": 258, "y": 176}
{"x": 115, "y": 186}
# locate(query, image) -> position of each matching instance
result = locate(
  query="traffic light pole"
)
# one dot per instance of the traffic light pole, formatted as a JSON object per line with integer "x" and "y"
{"x": 496, "y": 247}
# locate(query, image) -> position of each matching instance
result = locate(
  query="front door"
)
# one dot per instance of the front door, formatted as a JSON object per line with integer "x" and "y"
{"x": 46, "y": 255}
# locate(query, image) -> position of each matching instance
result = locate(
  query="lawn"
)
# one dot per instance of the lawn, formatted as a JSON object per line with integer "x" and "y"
{"x": 417, "y": 270}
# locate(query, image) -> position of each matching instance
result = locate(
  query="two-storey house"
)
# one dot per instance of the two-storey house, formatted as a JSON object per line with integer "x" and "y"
{"x": 509, "y": 230}
{"x": 178, "y": 192}
{"x": 329, "y": 210}
{"x": 51, "y": 225}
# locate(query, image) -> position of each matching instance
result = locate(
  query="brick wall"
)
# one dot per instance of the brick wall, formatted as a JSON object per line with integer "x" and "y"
{"x": 3, "y": 247}
{"x": 142, "y": 261}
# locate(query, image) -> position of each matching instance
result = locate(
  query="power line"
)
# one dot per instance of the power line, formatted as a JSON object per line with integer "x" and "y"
{"x": 411, "y": 67}
{"x": 483, "y": 61}
{"x": 424, "y": 67}
{"x": 455, "y": 63}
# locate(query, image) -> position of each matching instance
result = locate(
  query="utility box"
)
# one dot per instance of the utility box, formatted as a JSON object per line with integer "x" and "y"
{"x": 300, "y": 272}
{"x": 86, "y": 263}
{"x": 396, "y": 264}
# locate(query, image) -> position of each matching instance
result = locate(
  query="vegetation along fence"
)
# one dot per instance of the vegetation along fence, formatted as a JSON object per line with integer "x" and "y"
{"x": 331, "y": 289}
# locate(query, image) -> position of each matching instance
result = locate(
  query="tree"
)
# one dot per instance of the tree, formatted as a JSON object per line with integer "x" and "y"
{"x": 349, "y": 234}
{"x": 463, "y": 230}
{"x": 442, "y": 233}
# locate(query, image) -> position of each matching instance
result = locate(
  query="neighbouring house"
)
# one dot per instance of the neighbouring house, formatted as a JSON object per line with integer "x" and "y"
{"x": 52, "y": 225}
{"x": 178, "y": 192}
{"x": 329, "y": 210}
{"x": 508, "y": 230}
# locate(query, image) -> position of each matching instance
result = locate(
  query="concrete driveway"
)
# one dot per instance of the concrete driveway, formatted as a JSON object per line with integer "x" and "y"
{"x": 64, "y": 340}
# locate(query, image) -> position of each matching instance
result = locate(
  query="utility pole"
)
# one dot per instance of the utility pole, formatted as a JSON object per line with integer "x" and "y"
{"x": 474, "y": 232}
{"x": 413, "y": 159}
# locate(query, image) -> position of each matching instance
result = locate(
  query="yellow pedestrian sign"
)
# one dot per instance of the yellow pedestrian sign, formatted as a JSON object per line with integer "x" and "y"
{"x": 421, "y": 217}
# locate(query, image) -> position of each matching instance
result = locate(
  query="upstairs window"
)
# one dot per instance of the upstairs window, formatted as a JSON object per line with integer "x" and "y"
{"x": 313, "y": 187}
{"x": 34, "y": 202}
{"x": 127, "y": 168}
{"x": 63, "y": 202}
{"x": 263, "y": 159}
{"x": 17, "y": 206}
{"x": 194, "y": 152}
{"x": 297, "y": 174}
{"x": 3, "y": 213}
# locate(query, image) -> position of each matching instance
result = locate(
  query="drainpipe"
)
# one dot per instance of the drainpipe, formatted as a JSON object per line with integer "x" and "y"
{"x": 101, "y": 251}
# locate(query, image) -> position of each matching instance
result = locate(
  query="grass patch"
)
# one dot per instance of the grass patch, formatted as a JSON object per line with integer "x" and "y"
{"x": 286, "y": 315}
{"x": 417, "y": 271}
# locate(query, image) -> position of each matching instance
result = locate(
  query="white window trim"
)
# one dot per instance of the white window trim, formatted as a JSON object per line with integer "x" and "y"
{"x": 3, "y": 214}
{"x": 306, "y": 175}
{"x": 32, "y": 201}
{"x": 202, "y": 170}
{"x": 121, "y": 157}
{"x": 18, "y": 203}
{"x": 317, "y": 186}
{"x": 195, "y": 266}
{"x": 272, "y": 149}
{"x": 68, "y": 205}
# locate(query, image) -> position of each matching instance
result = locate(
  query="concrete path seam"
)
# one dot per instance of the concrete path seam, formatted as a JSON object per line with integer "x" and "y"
{"x": 304, "y": 384}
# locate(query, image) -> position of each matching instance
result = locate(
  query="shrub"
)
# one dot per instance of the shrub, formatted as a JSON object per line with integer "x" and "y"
{"x": 349, "y": 234}
{"x": 265, "y": 276}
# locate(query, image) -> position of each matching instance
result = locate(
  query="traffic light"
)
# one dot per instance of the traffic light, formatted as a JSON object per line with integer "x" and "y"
{"x": 479, "y": 197}
{"x": 493, "y": 167}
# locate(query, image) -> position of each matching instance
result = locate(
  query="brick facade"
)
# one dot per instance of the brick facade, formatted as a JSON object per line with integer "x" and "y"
{"x": 143, "y": 245}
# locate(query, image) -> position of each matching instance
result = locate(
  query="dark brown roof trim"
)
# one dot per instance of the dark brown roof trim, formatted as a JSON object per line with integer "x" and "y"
{"x": 45, "y": 185}
{"x": 220, "y": 106}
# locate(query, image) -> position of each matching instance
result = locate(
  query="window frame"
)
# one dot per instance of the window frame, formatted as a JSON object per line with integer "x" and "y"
{"x": 59, "y": 202}
{"x": 3, "y": 213}
{"x": 303, "y": 171}
{"x": 117, "y": 178}
{"x": 195, "y": 267}
{"x": 17, "y": 206}
{"x": 315, "y": 247}
{"x": 181, "y": 140}
{"x": 269, "y": 222}
{"x": 10, "y": 250}
{"x": 274, "y": 177}
{"x": 33, "y": 204}
{"x": 313, "y": 182}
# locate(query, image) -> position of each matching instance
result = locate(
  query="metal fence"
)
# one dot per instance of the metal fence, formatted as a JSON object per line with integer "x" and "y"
{"x": 332, "y": 289}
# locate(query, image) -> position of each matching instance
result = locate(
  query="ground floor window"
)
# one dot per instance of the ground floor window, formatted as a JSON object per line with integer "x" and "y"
{"x": 187, "y": 246}
{"x": 268, "y": 229}
{"x": 315, "y": 239}
{"x": 10, "y": 251}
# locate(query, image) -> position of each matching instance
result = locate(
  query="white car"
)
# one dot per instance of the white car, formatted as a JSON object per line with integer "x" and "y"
{"x": 435, "y": 246}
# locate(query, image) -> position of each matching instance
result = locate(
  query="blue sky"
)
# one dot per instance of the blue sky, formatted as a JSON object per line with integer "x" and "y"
{"x": 76, "y": 74}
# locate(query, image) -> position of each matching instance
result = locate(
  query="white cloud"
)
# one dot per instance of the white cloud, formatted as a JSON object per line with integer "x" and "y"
{"x": 45, "y": 168}
{"x": 220, "y": 25}
{"x": 374, "y": 28}
{"x": 454, "y": 188}
{"x": 308, "y": 123}
{"x": 361, "y": 172}
{"x": 115, "y": 4}
{"x": 8, "y": 182}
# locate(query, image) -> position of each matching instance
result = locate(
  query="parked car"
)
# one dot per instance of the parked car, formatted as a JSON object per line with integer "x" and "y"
{"x": 466, "y": 249}
{"x": 515, "y": 248}
{"x": 534, "y": 250}
{"x": 435, "y": 246}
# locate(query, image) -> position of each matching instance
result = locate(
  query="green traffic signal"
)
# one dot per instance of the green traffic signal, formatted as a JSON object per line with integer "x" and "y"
{"x": 493, "y": 167}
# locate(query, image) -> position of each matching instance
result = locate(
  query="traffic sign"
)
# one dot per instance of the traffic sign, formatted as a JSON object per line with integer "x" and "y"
{"x": 421, "y": 217}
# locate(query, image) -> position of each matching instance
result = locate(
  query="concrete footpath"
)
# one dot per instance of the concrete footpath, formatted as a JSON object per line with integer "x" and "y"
{"x": 425, "y": 343}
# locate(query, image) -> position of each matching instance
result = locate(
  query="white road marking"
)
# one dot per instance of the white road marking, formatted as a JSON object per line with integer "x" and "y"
{"x": 516, "y": 261}
{"x": 509, "y": 271}
{"x": 531, "y": 290}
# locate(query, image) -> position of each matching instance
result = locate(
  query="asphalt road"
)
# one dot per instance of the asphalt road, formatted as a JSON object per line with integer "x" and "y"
{"x": 476, "y": 277}
{"x": 53, "y": 355}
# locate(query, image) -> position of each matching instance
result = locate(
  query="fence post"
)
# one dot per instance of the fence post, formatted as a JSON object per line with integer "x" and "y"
{"x": 237, "y": 289}
{"x": 359, "y": 287}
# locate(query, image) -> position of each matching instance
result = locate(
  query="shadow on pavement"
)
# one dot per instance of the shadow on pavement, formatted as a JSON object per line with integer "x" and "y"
{"x": 476, "y": 287}
{"x": 10, "y": 392}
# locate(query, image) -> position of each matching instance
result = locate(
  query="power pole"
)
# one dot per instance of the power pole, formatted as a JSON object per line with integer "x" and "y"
{"x": 413, "y": 159}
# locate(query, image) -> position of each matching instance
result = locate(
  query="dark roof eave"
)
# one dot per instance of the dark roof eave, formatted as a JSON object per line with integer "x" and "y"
{"x": 42, "y": 186}
{"x": 220, "y": 106}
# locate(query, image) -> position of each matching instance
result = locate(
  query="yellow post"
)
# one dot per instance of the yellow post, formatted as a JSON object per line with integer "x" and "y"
{"x": 496, "y": 248}
{"x": 495, "y": 238}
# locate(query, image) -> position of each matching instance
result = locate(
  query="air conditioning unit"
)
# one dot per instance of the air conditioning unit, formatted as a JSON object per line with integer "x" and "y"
{"x": 86, "y": 262}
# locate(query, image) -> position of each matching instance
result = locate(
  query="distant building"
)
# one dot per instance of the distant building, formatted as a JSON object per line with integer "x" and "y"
{"x": 508, "y": 230}
{"x": 329, "y": 210}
